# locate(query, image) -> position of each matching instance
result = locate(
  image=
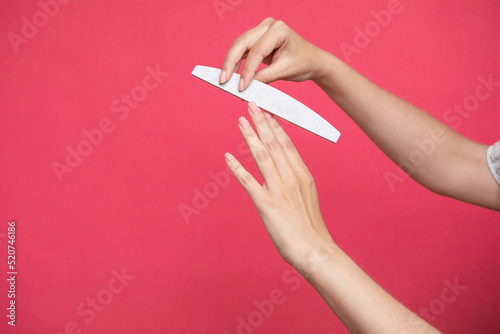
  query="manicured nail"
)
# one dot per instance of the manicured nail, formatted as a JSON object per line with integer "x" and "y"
{"x": 243, "y": 122}
{"x": 241, "y": 84}
{"x": 222, "y": 77}
{"x": 253, "y": 108}
{"x": 267, "y": 115}
{"x": 229, "y": 157}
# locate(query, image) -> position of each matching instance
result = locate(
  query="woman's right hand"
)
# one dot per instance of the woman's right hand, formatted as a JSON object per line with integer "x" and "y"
{"x": 272, "y": 42}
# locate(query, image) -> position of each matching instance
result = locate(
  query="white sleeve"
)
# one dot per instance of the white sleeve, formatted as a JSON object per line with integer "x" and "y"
{"x": 493, "y": 157}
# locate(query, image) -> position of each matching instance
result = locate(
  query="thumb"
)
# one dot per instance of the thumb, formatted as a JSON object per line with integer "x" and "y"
{"x": 271, "y": 73}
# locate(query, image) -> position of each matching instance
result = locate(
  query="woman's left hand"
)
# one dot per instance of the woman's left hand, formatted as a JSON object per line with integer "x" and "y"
{"x": 287, "y": 202}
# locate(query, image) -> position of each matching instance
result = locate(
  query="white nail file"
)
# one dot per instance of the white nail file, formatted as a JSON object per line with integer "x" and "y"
{"x": 272, "y": 100}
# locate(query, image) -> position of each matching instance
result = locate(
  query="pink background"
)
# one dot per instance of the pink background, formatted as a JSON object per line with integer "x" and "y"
{"x": 121, "y": 206}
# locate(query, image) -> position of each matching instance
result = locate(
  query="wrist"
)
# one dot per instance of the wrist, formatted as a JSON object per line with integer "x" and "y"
{"x": 314, "y": 257}
{"x": 327, "y": 63}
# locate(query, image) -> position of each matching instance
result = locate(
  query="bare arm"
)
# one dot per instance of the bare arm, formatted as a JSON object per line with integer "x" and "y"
{"x": 288, "y": 205}
{"x": 433, "y": 154}
{"x": 287, "y": 201}
{"x": 360, "y": 303}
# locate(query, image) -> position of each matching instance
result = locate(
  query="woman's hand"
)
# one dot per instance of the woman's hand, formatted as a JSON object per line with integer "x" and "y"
{"x": 287, "y": 202}
{"x": 273, "y": 43}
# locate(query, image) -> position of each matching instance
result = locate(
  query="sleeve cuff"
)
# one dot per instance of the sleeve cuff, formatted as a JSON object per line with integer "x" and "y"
{"x": 493, "y": 157}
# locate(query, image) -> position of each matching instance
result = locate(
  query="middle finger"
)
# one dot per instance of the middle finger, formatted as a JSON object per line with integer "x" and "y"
{"x": 270, "y": 141}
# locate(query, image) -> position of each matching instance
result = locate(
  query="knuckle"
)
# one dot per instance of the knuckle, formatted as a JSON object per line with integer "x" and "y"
{"x": 264, "y": 203}
{"x": 262, "y": 155}
{"x": 259, "y": 120}
{"x": 252, "y": 146}
{"x": 252, "y": 140}
{"x": 246, "y": 178}
{"x": 242, "y": 175}
{"x": 274, "y": 124}
{"x": 268, "y": 20}
{"x": 256, "y": 50}
{"x": 292, "y": 181}
{"x": 236, "y": 169}
{"x": 261, "y": 78}
{"x": 278, "y": 24}
{"x": 288, "y": 145}
{"x": 307, "y": 179}
{"x": 238, "y": 40}
{"x": 273, "y": 145}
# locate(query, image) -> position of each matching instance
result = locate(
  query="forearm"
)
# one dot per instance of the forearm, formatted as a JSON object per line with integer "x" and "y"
{"x": 393, "y": 124}
{"x": 362, "y": 305}
{"x": 432, "y": 153}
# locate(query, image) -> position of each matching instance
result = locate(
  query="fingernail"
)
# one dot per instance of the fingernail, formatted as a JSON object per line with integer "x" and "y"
{"x": 241, "y": 84}
{"x": 222, "y": 77}
{"x": 243, "y": 122}
{"x": 253, "y": 108}
{"x": 267, "y": 115}
{"x": 229, "y": 157}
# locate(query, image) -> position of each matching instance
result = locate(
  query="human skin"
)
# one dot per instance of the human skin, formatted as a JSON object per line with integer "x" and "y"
{"x": 287, "y": 201}
{"x": 457, "y": 168}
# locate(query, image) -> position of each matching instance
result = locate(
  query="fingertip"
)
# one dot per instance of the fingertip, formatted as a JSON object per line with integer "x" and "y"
{"x": 245, "y": 79}
{"x": 253, "y": 108}
{"x": 229, "y": 157}
{"x": 222, "y": 77}
{"x": 243, "y": 122}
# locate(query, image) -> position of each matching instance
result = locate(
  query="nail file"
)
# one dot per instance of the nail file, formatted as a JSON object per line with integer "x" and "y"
{"x": 272, "y": 100}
